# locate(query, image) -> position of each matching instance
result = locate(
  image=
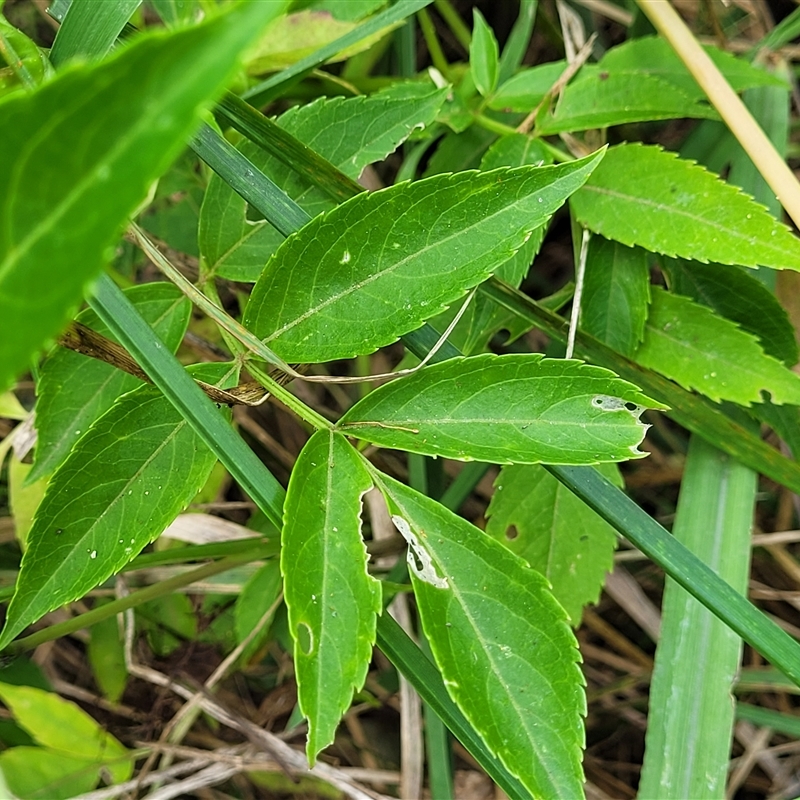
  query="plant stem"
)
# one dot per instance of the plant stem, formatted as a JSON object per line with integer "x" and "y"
{"x": 134, "y": 599}
{"x": 454, "y": 22}
{"x": 434, "y": 48}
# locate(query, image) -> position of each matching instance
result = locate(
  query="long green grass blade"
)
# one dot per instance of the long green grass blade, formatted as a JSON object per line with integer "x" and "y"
{"x": 137, "y": 337}
{"x": 690, "y": 722}
{"x": 683, "y": 566}
{"x": 273, "y": 87}
{"x": 90, "y": 29}
{"x": 291, "y": 151}
{"x": 248, "y": 181}
{"x": 767, "y": 718}
{"x": 107, "y": 610}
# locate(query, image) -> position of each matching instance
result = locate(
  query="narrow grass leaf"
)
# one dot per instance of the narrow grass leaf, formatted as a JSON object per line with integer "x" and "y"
{"x": 125, "y": 480}
{"x": 780, "y": 722}
{"x": 270, "y": 136}
{"x": 690, "y": 722}
{"x": 703, "y": 351}
{"x": 643, "y": 195}
{"x": 63, "y": 416}
{"x": 90, "y": 29}
{"x": 540, "y": 520}
{"x": 250, "y": 183}
{"x": 332, "y": 599}
{"x": 683, "y": 566}
{"x": 522, "y": 409}
{"x": 616, "y": 294}
{"x": 186, "y": 396}
{"x": 379, "y": 265}
{"x": 66, "y": 187}
{"x": 352, "y": 133}
{"x": 501, "y": 641}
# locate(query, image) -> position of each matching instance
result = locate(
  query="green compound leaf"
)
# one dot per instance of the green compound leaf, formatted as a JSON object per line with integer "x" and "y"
{"x": 616, "y": 294}
{"x": 539, "y": 519}
{"x": 125, "y": 480}
{"x": 349, "y": 133}
{"x": 483, "y": 55}
{"x": 501, "y": 641}
{"x": 601, "y": 97}
{"x": 643, "y": 195}
{"x": 505, "y": 409}
{"x": 331, "y": 598}
{"x": 78, "y": 155}
{"x": 61, "y": 415}
{"x": 701, "y": 350}
{"x": 379, "y": 265}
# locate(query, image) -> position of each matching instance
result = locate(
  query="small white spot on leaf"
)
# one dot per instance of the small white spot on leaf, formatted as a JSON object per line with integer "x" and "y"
{"x": 607, "y": 403}
{"x": 345, "y": 259}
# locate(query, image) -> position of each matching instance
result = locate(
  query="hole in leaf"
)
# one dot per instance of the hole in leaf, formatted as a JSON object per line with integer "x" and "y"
{"x": 414, "y": 555}
{"x": 511, "y": 533}
{"x": 305, "y": 638}
{"x": 252, "y": 214}
{"x": 501, "y": 338}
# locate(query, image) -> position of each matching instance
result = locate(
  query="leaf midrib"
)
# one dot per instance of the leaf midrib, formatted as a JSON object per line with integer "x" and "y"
{"x": 144, "y": 121}
{"x": 113, "y": 503}
{"x": 488, "y": 651}
{"x": 368, "y": 280}
{"x": 668, "y": 209}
